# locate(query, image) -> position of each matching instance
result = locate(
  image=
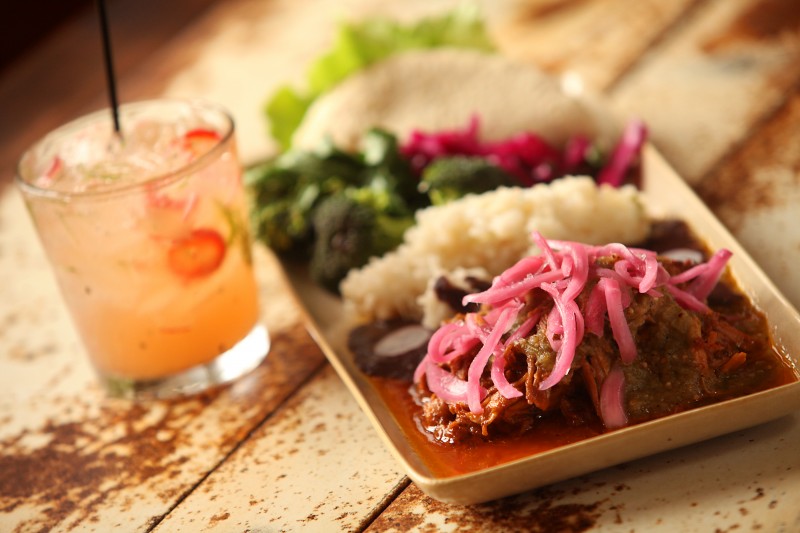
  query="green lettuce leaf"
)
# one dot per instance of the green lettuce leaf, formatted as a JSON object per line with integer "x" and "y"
{"x": 358, "y": 45}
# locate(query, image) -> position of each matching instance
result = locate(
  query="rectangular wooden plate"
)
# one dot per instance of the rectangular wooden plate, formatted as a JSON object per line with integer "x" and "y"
{"x": 666, "y": 195}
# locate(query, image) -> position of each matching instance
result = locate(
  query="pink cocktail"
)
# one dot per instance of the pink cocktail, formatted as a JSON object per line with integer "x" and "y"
{"x": 147, "y": 232}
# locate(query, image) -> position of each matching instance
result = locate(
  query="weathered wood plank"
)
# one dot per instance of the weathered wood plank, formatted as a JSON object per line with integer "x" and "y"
{"x": 318, "y": 465}
{"x": 756, "y": 193}
{"x": 711, "y": 81}
{"x": 54, "y": 419}
{"x": 744, "y": 481}
{"x": 594, "y": 41}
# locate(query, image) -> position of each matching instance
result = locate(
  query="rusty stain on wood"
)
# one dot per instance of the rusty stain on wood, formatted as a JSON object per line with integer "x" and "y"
{"x": 70, "y": 471}
{"x": 765, "y": 21}
{"x": 755, "y": 193}
{"x": 348, "y": 471}
{"x": 72, "y": 475}
{"x": 735, "y": 188}
{"x": 543, "y": 510}
{"x": 699, "y": 105}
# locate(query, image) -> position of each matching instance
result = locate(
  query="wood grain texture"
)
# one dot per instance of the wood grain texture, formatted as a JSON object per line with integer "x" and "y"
{"x": 711, "y": 486}
{"x": 317, "y": 466}
{"x": 287, "y": 448}
{"x": 72, "y": 458}
{"x": 711, "y": 81}
{"x": 756, "y": 191}
{"x": 595, "y": 41}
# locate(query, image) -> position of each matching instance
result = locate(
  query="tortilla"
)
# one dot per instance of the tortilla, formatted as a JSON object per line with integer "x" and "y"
{"x": 440, "y": 89}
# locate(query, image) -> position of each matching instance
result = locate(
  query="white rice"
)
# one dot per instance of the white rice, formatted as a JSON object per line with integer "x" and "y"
{"x": 489, "y": 231}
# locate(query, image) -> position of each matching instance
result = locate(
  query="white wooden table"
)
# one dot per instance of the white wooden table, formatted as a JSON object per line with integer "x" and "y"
{"x": 287, "y": 448}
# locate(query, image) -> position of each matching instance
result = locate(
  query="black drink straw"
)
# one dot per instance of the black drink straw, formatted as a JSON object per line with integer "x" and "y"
{"x": 109, "y": 63}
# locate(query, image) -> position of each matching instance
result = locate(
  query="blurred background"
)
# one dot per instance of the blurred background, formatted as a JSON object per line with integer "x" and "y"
{"x": 32, "y": 22}
{"x": 46, "y": 92}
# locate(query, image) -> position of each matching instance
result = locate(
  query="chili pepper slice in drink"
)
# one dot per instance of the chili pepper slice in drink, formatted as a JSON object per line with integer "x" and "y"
{"x": 197, "y": 254}
{"x": 201, "y": 140}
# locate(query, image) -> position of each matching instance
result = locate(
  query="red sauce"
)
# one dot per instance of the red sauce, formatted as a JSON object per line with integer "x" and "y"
{"x": 445, "y": 460}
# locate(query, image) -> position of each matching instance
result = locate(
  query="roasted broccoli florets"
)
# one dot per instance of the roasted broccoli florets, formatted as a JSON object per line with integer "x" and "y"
{"x": 450, "y": 178}
{"x": 387, "y": 168}
{"x": 349, "y": 228}
{"x": 287, "y": 190}
{"x": 342, "y": 208}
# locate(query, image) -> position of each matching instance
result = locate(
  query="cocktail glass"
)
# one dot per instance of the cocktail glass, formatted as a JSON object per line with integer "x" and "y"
{"x": 147, "y": 233}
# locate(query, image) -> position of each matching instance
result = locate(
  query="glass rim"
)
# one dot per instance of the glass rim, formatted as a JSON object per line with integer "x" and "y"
{"x": 158, "y": 180}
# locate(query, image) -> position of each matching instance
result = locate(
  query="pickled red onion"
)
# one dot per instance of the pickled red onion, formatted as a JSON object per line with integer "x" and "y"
{"x": 506, "y": 389}
{"x": 527, "y": 156}
{"x": 689, "y": 274}
{"x": 579, "y": 272}
{"x": 501, "y": 293}
{"x": 562, "y": 271}
{"x": 625, "y": 154}
{"x": 595, "y": 311}
{"x": 524, "y": 328}
{"x": 499, "y": 363}
{"x": 651, "y": 271}
{"x": 447, "y": 343}
{"x": 547, "y": 252}
{"x": 447, "y": 386}
{"x": 708, "y": 279}
{"x": 686, "y": 299}
{"x": 612, "y": 408}
{"x": 477, "y": 365}
{"x": 525, "y": 267}
{"x": 616, "y": 318}
{"x": 569, "y": 341}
